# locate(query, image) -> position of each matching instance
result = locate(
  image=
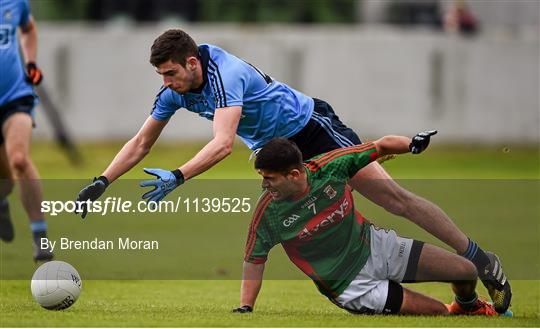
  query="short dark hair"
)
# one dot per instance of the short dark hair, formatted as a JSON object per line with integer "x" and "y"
{"x": 175, "y": 45}
{"x": 279, "y": 155}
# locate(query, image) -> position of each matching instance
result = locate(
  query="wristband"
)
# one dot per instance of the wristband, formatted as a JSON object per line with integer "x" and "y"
{"x": 103, "y": 179}
{"x": 179, "y": 176}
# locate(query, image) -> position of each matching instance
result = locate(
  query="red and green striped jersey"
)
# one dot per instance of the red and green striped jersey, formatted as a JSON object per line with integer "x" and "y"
{"x": 321, "y": 231}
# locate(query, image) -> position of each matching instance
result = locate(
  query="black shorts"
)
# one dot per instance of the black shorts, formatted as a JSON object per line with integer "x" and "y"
{"x": 24, "y": 104}
{"x": 324, "y": 132}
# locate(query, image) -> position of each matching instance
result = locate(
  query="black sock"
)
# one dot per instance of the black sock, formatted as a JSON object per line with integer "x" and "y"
{"x": 37, "y": 236}
{"x": 478, "y": 257}
{"x": 468, "y": 304}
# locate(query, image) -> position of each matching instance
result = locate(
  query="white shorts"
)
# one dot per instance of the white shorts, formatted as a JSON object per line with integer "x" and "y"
{"x": 393, "y": 260}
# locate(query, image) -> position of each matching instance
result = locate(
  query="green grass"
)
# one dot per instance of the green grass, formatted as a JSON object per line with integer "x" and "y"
{"x": 208, "y": 304}
{"x": 199, "y": 262}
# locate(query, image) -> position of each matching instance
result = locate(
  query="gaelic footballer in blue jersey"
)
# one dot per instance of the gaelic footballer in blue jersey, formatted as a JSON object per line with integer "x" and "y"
{"x": 242, "y": 100}
{"x": 17, "y": 100}
{"x": 229, "y": 81}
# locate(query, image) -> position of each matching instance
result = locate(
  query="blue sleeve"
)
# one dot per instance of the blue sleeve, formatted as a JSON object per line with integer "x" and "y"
{"x": 229, "y": 82}
{"x": 25, "y": 13}
{"x": 165, "y": 104}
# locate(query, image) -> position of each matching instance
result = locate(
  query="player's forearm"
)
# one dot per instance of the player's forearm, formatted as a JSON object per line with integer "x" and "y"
{"x": 392, "y": 145}
{"x": 251, "y": 283}
{"x": 212, "y": 153}
{"x": 131, "y": 153}
{"x": 29, "y": 42}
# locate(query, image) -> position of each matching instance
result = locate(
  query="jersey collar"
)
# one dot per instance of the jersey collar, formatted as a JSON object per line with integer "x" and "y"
{"x": 204, "y": 56}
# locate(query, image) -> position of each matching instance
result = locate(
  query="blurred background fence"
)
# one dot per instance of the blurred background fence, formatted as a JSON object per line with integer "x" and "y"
{"x": 385, "y": 66}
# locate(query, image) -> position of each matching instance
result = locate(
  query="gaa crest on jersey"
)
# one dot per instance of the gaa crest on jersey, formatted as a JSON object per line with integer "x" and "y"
{"x": 330, "y": 192}
{"x": 290, "y": 220}
{"x": 8, "y": 15}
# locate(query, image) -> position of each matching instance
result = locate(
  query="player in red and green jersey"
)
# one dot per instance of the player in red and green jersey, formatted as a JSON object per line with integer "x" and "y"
{"x": 308, "y": 208}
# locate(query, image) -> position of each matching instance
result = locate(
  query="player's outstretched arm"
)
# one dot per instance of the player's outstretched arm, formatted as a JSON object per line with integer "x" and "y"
{"x": 135, "y": 149}
{"x": 401, "y": 144}
{"x": 225, "y": 125}
{"x": 130, "y": 154}
{"x": 251, "y": 285}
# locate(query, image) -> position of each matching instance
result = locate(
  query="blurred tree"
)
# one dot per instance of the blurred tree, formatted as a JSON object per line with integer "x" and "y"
{"x": 279, "y": 11}
{"x": 255, "y": 11}
{"x": 414, "y": 12}
{"x": 59, "y": 9}
{"x": 142, "y": 10}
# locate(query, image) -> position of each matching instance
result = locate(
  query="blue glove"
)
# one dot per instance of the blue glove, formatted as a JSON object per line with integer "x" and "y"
{"x": 165, "y": 182}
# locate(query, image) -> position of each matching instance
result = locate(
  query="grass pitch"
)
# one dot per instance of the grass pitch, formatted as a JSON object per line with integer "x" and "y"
{"x": 205, "y": 300}
{"x": 209, "y": 303}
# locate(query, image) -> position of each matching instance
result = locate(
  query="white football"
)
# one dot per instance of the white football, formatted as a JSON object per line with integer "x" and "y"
{"x": 56, "y": 285}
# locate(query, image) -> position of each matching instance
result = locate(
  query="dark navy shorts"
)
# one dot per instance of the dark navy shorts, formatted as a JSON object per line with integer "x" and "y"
{"x": 324, "y": 132}
{"x": 24, "y": 104}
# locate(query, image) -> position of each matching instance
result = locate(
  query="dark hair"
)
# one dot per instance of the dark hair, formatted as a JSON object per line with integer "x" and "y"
{"x": 175, "y": 45}
{"x": 279, "y": 155}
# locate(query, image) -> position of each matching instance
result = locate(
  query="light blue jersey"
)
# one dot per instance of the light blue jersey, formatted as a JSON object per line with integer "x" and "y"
{"x": 13, "y": 84}
{"x": 269, "y": 108}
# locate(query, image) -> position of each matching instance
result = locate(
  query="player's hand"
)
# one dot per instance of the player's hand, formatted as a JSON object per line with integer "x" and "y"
{"x": 243, "y": 309}
{"x": 421, "y": 141}
{"x": 165, "y": 182}
{"x": 33, "y": 73}
{"x": 91, "y": 192}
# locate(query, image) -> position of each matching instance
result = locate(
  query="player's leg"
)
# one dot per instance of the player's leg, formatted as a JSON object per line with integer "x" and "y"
{"x": 399, "y": 259}
{"x": 17, "y": 130}
{"x": 368, "y": 295}
{"x": 374, "y": 183}
{"x": 399, "y": 300}
{"x": 408, "y": 260}
{"x": 437, "y": 264}
{"x": 6, "y": 186}
{"x": 415, "y": 303}
{"x": 375, "y": 290}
